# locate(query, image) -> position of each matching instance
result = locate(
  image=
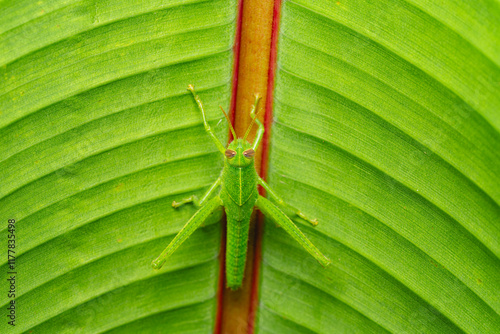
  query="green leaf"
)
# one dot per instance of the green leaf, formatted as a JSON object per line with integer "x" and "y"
{"x": 386, "y": 129}
{"x": 98, "y": 136}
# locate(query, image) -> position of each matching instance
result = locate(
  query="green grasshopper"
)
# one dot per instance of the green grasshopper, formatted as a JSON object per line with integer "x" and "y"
{"x": 238, "y": 194}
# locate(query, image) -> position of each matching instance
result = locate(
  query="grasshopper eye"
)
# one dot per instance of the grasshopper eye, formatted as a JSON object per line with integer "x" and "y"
{"x": 230, "y": 153}
{"x": 249, "y": 153}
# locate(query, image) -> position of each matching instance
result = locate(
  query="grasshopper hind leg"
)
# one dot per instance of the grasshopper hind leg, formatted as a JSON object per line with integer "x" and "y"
{"x": 274, "y": 213}
{"x": 196, "y": 220}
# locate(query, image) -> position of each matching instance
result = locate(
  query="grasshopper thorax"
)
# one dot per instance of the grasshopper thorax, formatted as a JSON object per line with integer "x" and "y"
{"x": 239, "y": 153}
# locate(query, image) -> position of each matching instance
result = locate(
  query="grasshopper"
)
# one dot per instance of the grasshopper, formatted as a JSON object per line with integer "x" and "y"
{"x": 238, "y": 194}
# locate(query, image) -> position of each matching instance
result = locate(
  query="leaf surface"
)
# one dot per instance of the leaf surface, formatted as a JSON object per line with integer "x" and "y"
{"x": 386, "y": 130}
{"x": 99, "y": 136}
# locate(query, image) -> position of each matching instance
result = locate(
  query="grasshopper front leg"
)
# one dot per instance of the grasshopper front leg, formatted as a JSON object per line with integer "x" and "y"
{"x": 273, "y": 212}
{"x": 281, "y": 202}
{"x": 260, "y": 129}
{"x": 209, "y": 130}
{"x": 196, "y": 220}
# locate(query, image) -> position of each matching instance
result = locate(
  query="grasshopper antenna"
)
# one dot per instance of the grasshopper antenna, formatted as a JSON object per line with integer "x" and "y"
{"x": 229, "y": 122}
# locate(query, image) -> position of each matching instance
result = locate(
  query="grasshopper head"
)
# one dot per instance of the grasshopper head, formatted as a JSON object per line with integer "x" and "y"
{"x": 239, "y": 153}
